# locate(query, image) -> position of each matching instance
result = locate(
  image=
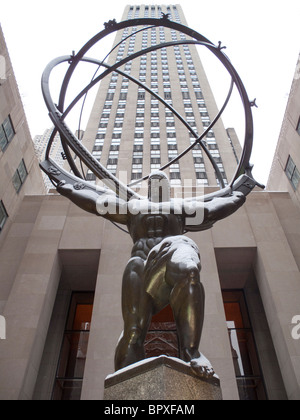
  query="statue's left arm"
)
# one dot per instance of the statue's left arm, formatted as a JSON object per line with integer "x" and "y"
{"x": 206, "y": 214}
{"x": 221, "y": 207}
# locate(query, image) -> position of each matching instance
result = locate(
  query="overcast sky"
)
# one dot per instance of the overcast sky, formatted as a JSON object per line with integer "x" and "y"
{"x": 262, "y": 39}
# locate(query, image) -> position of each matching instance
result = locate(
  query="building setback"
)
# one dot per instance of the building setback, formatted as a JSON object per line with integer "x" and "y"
{"x": 60, "y": 292}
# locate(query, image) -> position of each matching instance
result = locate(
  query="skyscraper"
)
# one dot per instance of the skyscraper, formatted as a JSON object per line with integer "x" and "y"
{"x": 131, "y": 131}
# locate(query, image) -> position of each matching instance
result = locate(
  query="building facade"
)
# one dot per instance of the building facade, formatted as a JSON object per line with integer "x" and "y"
{"x": 285, "y": 170}
{"x": 61, "y": 290}
{"x": 20, "y": 174}
{"x": 19, "y": 170}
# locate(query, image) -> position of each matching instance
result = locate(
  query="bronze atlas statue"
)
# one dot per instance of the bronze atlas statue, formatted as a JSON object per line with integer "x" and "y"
{"x": 164, "y": 267}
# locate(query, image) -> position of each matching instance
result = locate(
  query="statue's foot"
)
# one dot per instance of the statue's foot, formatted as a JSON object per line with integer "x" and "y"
{"x": 202, "y": 367}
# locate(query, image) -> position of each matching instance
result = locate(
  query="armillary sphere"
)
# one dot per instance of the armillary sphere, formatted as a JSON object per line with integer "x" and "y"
{"x": 242, "y": 181}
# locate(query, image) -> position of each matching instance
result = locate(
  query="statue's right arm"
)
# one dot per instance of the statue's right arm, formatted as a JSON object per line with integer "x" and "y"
{"x": 101, "y": 203}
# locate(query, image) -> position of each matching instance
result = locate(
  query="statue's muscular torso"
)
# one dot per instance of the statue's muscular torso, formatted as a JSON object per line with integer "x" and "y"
{"x": 148, "y": 230}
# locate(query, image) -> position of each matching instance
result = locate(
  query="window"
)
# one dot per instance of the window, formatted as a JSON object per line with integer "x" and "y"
{"x": 3, "y": 215}
{"x": 110, "y": 96}
{"x": 123, "y": 96}
{"x": 69, "y": 375}
{"x": 19, "y": 176}
{"x": 199, "y": 95}
{"x": 175, "y": 175}
{"x": 90, "y": 176}
{"x": 136, "y": 175}
{"x": 7, "y": 133}
{"x": 112, "y": 168}
{"x": 292, "y": 173}
{"x": 243, "y": 348}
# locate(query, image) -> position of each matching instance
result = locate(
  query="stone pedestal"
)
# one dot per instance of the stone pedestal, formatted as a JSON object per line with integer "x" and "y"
{"x": 160, "y": 378}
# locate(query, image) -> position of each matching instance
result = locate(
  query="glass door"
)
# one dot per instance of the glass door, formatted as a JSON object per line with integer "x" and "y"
{"x": 69, "y": 375}
{"x": 244, "y": 353}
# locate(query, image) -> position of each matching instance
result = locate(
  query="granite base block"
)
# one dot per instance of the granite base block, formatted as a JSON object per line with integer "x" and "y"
{"x": 160, "y": 378}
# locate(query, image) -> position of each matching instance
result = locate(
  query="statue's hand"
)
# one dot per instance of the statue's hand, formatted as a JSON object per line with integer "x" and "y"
{"x": 236, "y": 201}
{"x": 238, "y": 198}
{"x": 220, "y": 207}
{"x": 64, "y": 189}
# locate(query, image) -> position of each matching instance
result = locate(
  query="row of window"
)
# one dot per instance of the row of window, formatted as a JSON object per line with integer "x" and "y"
{"x": 190, "y": 117}
{"x": 199, "y": 166}
{"x": 153, "y": 10}
{"x": 155, "y": 154}
{"x": 112, "y": 161}
{"x": 116, "y": 135}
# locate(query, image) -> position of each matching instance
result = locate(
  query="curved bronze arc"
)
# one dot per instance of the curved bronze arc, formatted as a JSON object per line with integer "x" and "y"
{"x": 109, "y": 70}
{"x": 58, "y": 117}
{"x": 71, "y": 140}
{"x": 114, "y": 28}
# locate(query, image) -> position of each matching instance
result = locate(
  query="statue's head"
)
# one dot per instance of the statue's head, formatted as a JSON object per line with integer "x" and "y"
{"x": 158, "y": 187}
